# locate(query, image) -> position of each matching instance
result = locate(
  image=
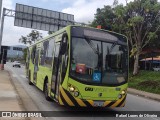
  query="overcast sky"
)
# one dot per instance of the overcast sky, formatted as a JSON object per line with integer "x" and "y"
{"x": 83, "y": 11}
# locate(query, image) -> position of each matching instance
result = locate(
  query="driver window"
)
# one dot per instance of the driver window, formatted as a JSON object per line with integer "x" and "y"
{"x": 33, "y": 54}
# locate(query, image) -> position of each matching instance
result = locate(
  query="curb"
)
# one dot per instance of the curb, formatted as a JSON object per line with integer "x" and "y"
{"x": 24, "y": 98}
{"x": 148, "y": 95}
{"x": 20, "y": 101}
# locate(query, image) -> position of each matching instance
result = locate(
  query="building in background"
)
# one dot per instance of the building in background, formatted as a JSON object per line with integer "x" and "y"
{"x": 15, "y": 51}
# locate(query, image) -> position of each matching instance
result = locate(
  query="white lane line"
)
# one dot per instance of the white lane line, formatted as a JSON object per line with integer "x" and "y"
{"x": 23, "y": 76}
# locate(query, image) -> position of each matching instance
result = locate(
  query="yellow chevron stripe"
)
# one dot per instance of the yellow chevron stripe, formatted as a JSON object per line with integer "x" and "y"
{"x": 70, "y": 103}
{"x": 80, "y": 102}
{"x": 60, "y": 101}
{"x": 118, "y": 101}
{"x": 123, "y": 104}
{"x": 91, "y": 102}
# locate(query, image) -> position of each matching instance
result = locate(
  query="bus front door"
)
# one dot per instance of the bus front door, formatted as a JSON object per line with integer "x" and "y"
{"x": 55, "y": 69}
{"x": 36, "y": 67}
{"x": 57, "y": 76}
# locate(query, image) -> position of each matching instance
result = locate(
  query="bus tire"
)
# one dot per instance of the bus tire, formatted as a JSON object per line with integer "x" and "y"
{"x": 29, "y": 78}
{"x": 46, "y": 91}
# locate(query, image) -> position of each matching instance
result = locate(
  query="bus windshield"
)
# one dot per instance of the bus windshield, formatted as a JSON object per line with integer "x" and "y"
{"x": 98, "y": 62}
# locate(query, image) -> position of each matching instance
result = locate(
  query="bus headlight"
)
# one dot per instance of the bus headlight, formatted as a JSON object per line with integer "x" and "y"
{"x": 71, "y": 89}
{"x": 123, "y": 92}
{"x": 76, "y": 93}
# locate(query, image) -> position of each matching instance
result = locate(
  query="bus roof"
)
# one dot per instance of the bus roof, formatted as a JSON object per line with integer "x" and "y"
{"x": 69, "y": 26}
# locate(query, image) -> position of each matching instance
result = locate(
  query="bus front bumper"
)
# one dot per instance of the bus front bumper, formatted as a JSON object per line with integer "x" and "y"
{"x": 65, "y": 98}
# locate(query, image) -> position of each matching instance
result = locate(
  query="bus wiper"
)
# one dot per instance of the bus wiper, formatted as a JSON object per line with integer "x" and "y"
{"x": 92, "y": 46}
{"x": 96, "y": 50}
{"x": 113, "y": 45}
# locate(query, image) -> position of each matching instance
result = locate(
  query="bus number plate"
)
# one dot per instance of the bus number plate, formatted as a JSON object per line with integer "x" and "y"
{"x": 98, "y": 104}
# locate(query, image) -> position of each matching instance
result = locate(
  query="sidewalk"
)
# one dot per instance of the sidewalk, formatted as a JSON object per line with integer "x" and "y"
{"x": 144, "y": 94}
{"x": 14, "y": 98}
{"x": 9, "y": 99}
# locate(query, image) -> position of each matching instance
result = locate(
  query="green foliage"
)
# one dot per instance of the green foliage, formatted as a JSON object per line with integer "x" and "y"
{"x": 152, "y": 36}
{"x": 156, "y": 8}
{"x": 23, "y": 40}
{"x": 34, "y": 36}
{"x": 119, "y": 11}
{"x": 138, "y": 20}
{"x": 133, "y": 51}
{"x": 115, "y": 3}
{"x": 31, "y": 37}
{"x": 103, "y": 17}
{"x": 146, "y": 80}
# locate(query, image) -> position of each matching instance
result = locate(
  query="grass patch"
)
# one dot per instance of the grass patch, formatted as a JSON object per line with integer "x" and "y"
{"x": 148, "y": 81}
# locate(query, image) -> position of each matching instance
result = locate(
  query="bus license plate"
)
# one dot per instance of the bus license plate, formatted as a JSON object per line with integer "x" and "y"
{"x": 98, "y": 104}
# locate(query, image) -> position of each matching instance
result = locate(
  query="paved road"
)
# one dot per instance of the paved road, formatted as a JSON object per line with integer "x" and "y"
{"x": 134, "y": 103}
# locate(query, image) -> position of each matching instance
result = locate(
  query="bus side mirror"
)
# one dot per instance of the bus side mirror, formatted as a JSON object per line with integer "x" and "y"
{"x": 64, "y": 44}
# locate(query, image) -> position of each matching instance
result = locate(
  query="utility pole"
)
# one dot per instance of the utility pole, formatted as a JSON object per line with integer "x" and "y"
{"x": 1, "y": 67}
{"x": 0, "y": 19}
{"x": 2, "y": 59}
{"x": 0, "y": 8}
{"x": 1, "y": 30}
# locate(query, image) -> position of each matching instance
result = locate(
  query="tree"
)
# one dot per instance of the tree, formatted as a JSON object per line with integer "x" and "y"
{"x": 31, "y": 37}
{"x": 142, "y": 18}
{"x": 34, "y": 36}
{"x": 104, "y": 17}
{"x": 139, "y": 21}
{"x": 24, "y": 40}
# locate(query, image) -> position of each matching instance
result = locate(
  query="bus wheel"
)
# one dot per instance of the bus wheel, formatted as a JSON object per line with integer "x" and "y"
{"x": 46, "y": 91}
{"x": 29, "y": 78}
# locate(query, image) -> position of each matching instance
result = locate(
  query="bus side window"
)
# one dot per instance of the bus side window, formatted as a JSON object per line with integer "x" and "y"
{"x": 57, "y": 46}
{"x": 33, "y": 54}
{"x": 65, "y": 59}
{"x": 43, "y": 52}
{"x": 28, "y": 58}
{"x": 49, "y": 53}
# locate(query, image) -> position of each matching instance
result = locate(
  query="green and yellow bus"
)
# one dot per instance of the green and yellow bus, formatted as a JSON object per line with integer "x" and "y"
{"x": 80, "y": 66}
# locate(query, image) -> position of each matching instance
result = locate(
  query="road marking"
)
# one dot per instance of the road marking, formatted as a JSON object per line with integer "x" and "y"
{"x": 23, "y": 76}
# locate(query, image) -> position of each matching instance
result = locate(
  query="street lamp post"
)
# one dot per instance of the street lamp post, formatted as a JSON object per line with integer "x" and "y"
{"x": 2, "y": 60}
{"x": 0, "y": 8}
{"x": 1, "y": 30}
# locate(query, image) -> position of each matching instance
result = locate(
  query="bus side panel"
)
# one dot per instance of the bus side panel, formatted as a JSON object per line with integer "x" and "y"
{"x": 43, "y": 74}
{"x": 31, "y": 66}
{"x": 57, "y": 38}
{"x": 65, "y": 81}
